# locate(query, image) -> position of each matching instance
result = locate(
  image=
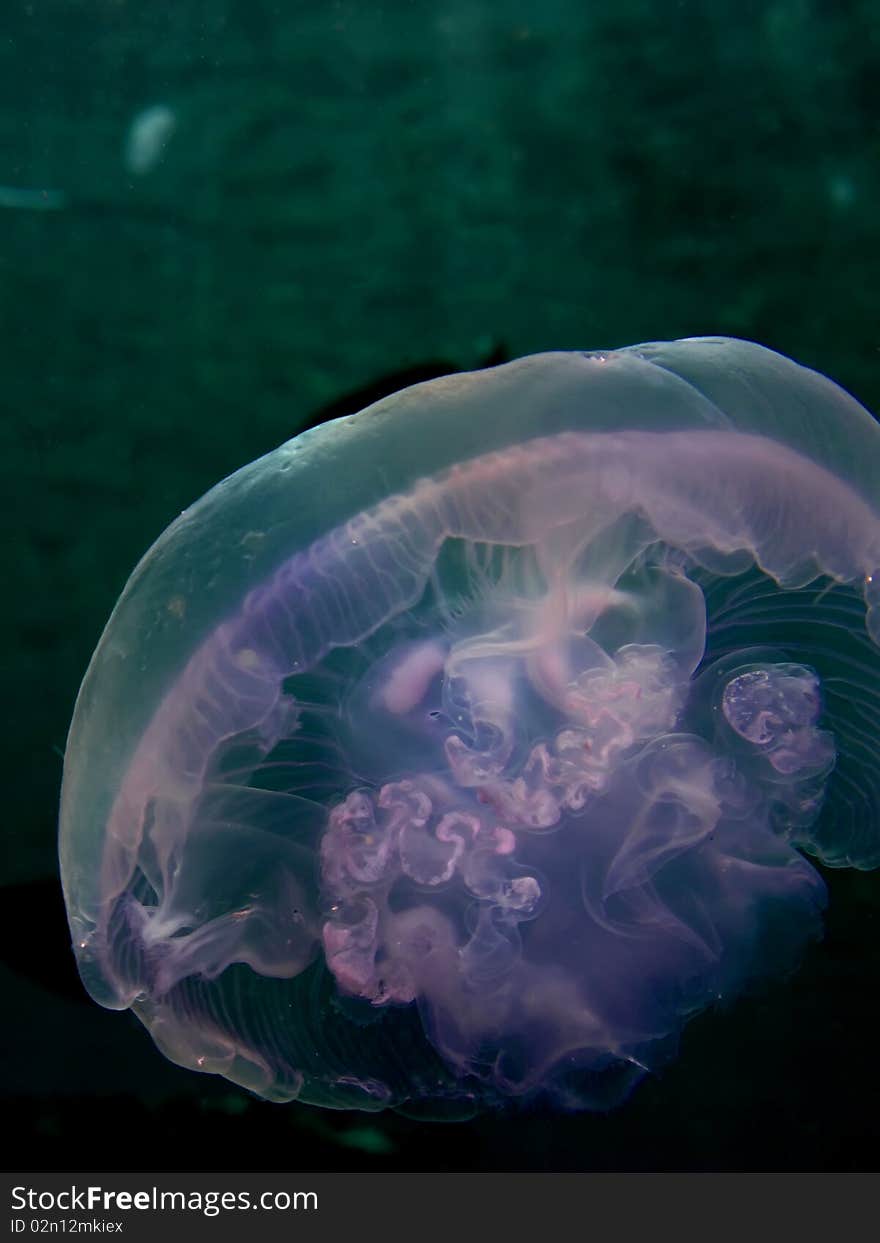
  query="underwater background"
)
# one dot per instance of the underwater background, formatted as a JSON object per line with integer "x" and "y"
{"x": 222, "y": 221}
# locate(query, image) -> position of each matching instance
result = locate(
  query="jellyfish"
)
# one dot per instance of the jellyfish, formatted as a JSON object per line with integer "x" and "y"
{"x": 148, "y": 136}
{"x": 456, "y": 753}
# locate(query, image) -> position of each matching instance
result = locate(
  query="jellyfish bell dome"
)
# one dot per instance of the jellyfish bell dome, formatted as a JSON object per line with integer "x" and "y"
{"x": 460, "y": 750}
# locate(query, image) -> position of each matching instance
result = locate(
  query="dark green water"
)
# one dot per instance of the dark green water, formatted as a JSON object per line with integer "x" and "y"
{"x": 346, "y": 191}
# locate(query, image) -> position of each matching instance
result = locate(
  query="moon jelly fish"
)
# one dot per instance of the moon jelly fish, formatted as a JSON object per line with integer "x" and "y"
{"x": 460, "y": 750}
